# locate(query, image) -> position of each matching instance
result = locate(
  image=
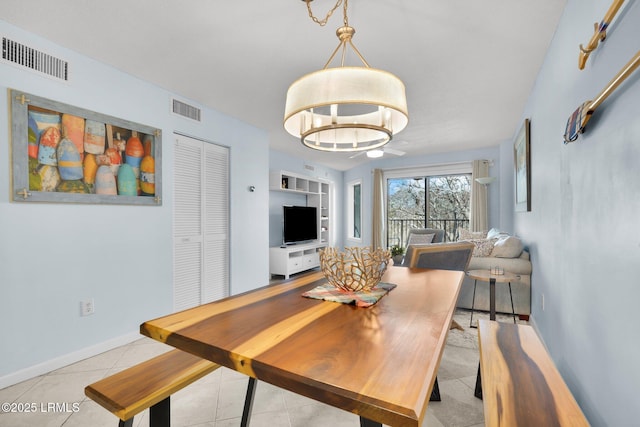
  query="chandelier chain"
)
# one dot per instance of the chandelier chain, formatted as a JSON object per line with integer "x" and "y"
{"x": 324, "y": 21}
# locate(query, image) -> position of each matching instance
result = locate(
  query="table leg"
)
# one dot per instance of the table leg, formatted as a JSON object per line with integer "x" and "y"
{"x": 473, "y": 303}
{"x": 248, "y": 402}
{"x": 492, "y": 316}
{"x": 435, "y": 392}
{"x": 492, "y": 298}
{"x": 513, "y": 310}
{"x": 368, "y": 423}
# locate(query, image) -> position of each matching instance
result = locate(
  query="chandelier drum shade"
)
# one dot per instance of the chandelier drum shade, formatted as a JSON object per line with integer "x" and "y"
{"x": 346, "y": 108}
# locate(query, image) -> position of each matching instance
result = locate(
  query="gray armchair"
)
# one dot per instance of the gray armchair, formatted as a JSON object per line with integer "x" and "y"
{"x": 416, "y": 236}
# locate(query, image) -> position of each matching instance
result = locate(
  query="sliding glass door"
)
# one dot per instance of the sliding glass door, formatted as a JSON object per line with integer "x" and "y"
{"x": 437, "y": 201}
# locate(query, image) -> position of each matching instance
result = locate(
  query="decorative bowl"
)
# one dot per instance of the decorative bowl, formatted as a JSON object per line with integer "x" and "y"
{"x": 356, "y": 269}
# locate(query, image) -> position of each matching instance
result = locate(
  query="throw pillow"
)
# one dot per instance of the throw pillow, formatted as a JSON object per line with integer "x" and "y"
{"x": 483, "y": 248}
{"x": 419, "y": 239}
{"x": 464, "y": 234}
{"x": 507, "y": 247}
{"x": 495, "y": 233}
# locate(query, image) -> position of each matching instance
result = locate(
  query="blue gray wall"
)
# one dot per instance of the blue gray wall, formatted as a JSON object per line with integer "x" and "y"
{"x": 582, "y": 229}
{"x": 54, "y": 255}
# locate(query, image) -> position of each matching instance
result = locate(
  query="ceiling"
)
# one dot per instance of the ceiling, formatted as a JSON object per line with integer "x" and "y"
{"x": 468, "y": 66}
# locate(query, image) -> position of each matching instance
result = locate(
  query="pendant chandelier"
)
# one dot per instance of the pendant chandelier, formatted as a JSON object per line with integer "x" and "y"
{"x": 345, "y": 108}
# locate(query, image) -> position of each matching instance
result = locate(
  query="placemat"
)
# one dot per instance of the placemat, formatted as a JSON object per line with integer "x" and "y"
{"x": 329, "y": 292}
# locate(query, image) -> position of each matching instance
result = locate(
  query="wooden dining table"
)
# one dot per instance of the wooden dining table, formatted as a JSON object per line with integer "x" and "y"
{"x": 379, "y": 362}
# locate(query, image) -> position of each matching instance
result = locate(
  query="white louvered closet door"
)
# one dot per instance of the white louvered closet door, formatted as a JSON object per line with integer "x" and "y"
{"x": 201, "y": 222}
{"x": 216, "y": 223}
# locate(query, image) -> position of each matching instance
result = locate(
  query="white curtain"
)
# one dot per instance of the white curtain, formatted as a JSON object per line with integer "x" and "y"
{"x": 377, "y": 215}
{"x": 479, "y": 221}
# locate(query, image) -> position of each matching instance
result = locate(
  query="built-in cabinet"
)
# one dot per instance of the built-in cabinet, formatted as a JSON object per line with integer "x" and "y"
{"x": 295, "y": 258}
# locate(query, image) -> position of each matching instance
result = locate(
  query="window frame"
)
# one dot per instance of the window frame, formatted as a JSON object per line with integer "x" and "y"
{"x": 459, "y": 168}
{"x": 351, "y": 210}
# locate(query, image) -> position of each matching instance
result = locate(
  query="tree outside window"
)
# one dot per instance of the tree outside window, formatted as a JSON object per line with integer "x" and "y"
{"x": 442, "y": 202}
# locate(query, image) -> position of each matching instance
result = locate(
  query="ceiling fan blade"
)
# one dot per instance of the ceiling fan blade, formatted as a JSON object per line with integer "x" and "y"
{"x": 359, "y": 153}
{"x": 394, "y": 151}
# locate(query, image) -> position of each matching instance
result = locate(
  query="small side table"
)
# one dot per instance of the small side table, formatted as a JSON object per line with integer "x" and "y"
{"x": 486, "y": 276}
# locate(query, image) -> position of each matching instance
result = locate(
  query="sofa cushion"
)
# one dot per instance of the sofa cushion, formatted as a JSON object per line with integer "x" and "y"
{"x": 495, "y": 233}
{"x": 419, "y": 239}
{"x": 519, "y": 265}
{"x": 507, "y": 247}
{"x": 483, "y": 248}
{"x": 464, "y": 234}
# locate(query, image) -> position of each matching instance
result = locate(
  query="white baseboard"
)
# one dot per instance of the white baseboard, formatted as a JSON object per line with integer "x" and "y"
{"x": 67, "y": 359}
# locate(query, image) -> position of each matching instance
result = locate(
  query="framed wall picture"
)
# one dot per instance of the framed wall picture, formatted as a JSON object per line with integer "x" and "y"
{"x": 522, "y": 160}
{"x": 65, "y": 154}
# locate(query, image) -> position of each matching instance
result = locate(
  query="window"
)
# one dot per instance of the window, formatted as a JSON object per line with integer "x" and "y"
{"x": 354, "y": 223}
{"x": 431, "y": 198}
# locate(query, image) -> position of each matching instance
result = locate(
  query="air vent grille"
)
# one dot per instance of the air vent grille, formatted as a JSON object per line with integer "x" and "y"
{"x": 186, "y": 110}
{"x": 20, "y": 54}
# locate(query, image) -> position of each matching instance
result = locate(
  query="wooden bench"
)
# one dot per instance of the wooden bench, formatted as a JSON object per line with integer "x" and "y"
{"x": 149, "y": 385}
{"x": 520, "y": 383}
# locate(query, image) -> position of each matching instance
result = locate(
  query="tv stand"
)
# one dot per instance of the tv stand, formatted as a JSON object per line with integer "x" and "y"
{"x": 292, "y": 259}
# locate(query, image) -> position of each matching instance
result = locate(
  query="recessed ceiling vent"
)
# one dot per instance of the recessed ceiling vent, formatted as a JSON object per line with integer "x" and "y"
{"x": 27, "y": 57}
{"x": 185, "y": 110}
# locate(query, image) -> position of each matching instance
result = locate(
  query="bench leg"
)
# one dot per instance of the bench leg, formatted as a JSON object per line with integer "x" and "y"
{"x": 364, "y": 422}
{"x": 248, "y": 402}
{"x": 435, "y": 392}
{"x": 160, "y": 414}
{"x": 478, "y": 391}
{"x": 127, "y": 423}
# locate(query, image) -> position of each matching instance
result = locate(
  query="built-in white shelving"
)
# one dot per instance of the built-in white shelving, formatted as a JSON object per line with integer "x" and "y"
{"x": 296, "y": 258}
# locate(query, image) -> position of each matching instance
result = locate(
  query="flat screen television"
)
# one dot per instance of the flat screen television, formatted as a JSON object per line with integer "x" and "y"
{"x": 300, "y": 224}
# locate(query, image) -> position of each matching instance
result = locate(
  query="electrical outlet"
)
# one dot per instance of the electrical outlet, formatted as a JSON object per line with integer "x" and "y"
{"x": 87, "y": 307}
{"x": 542, "y": 301}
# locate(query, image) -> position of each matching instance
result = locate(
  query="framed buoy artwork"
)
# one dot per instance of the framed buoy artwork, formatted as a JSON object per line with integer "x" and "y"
{"x": 66, "y": 154}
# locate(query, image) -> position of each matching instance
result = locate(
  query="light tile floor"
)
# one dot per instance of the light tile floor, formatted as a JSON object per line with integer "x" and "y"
{"x": 216, "y": 400}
